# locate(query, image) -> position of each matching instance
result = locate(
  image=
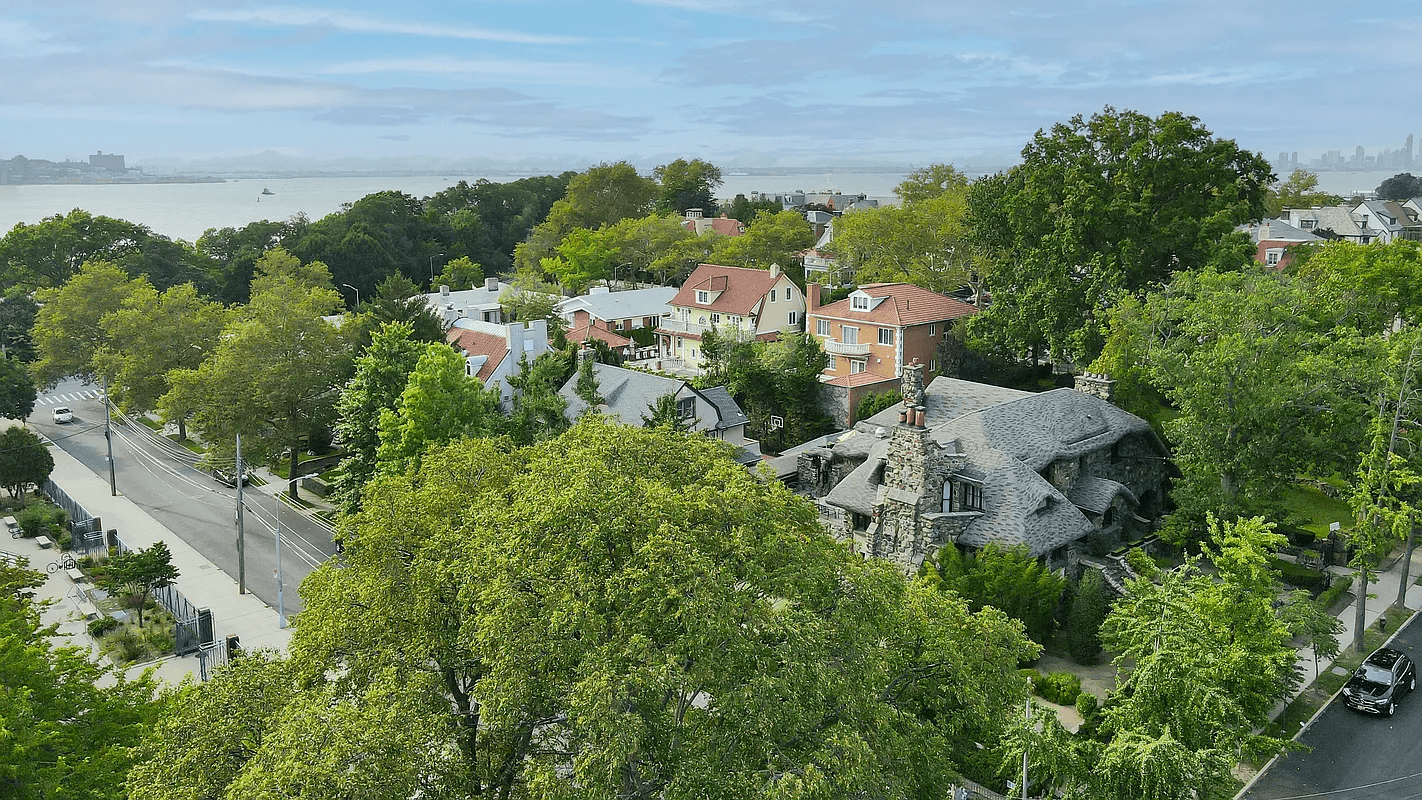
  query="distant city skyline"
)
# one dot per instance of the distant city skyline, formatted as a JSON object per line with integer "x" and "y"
{"x": 538, "y": 84}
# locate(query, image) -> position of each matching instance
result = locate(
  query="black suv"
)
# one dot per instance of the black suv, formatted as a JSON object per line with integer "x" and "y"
{"x": 1378, "y": 683}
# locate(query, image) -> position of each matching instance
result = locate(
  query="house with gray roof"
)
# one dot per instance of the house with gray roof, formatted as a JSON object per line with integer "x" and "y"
{"x": 1334, "y": 222}
{"x": 1063, "y": 473}
{"x": 630, "y": 395}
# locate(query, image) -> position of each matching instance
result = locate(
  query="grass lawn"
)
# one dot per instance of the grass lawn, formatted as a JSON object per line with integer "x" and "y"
{"x": 188, "y": 443}
{"x": 153, "y": 424}
{"x": 1315, "y": 510}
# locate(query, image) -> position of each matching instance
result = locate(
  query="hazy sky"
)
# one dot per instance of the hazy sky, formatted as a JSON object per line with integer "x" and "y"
{"x": 752, "y": 83}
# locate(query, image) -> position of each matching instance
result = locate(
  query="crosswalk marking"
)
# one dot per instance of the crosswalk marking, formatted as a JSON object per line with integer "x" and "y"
{"x": 55, "y": 399}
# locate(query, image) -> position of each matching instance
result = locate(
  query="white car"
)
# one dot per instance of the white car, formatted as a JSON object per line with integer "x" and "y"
{"x": 61, "y": 415}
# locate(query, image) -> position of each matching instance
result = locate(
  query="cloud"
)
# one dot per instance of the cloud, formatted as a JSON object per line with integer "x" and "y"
{"x": 359, "y": 23}
{"x": 512, "y": 70}
{"x": 19, "y": 39}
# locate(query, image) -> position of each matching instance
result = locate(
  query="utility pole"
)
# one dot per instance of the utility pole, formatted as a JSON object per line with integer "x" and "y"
{"x": 109, "y": 440}
{"x": 241, "y": 543}
{"x": 1024, "y": 752}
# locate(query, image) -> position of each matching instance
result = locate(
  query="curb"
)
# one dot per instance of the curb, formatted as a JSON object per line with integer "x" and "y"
{"x": 1309, "y": 724}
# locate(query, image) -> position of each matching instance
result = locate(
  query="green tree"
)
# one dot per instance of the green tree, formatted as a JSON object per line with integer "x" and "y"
{"x": 584, "y": 256}
{"x": 604, "y": 195}
{"x": 613, "y": 612}
{"x": 741, "y": 208}
{"x": 1299, "y": 190}
{"x": 1089, "y": 606}
{"x": 274, "y": 375}
{"x": 381, "y": 373}
{"x": 68, "y": 330}
{"x": 486, "y": 220}
{"x": 1100, "y": 208}
{"x": 769, "y": 239}
{"x": 873, "y": 403}
{"x": 460, "y": 273}
{"x": 1005, "y": 578}
{"x": 642, "y": 242}
{"x": 17, "y": 389}
{"x": 440, "y": 403}
{"x": 687, "y": 184}
{"x": 18, "y": 310}
{"x": 539, "y": 412}
{"x": 927, "y": 183}
{"x": 24, "y": 460}
{"x": 49, "y": 253}
{"x": 923, "y": 243}
{"x": 237, "y": 250}
{"x": 136, "y": 573}
{"x": 1402, "y": 186}
{"x": 379, "y": 235}
{"x": 71, "y": 726}
{"x": 586, "y": 388}
{"x": 397, "y": 299}
{"x": 150, "y": 335}
{"x": 528, "y": 297}
{"x": 665, "y": 414}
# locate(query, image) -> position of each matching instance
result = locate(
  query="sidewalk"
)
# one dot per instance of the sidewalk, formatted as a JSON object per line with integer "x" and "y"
{"x": 202, "y": 583}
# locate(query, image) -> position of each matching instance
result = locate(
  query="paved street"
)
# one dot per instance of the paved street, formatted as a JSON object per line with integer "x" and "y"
{"x": 1355, "y": 756}
{"x": 191, "y": 504}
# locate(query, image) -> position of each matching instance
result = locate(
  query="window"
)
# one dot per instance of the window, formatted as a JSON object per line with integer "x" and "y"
{"x": 1272, "y": 255}
{"x": 735, "y": 322}
{"x": 772, "y": 295}
{"x": 859, "y": 302}
{"x": 886, "y": 336}
{"x": 1307, "y": 224}
{"x": 849, "y": 334}
{"x": 933, "y": 329}
{"x": 822, "y": 327}
{"x": 702, "y": 298}
{"x": 855, "y": 366}
{"x": 972, "y": 497}
{"x": 685, "y": 407}
{"x": 793, "y": 318}
{"x": 678, "y": 342}
{"x": 715, "y": 319}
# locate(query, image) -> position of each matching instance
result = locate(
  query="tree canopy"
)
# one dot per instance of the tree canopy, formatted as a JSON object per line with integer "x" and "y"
{"x": 1402, "y": 186}
{"x": 1101, "y": 208}
{"x": 617, "y": 612}
{"x": 24, "y": 460}
{"x": 687, "y": 184}
{"x": 68, "y": 330}
{"x": 17, "y": 389}
{"x": 1298, "y": 191}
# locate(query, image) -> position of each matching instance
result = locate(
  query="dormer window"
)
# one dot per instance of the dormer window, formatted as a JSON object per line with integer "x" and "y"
{"x": 859, "y": 302}
{"x": 703, "y": 298}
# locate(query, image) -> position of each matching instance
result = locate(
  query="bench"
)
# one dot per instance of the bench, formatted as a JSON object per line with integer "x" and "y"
{"x": 88, "y": 609}
{"x": 44, "y": 542}
{"x": 75, "y": 574}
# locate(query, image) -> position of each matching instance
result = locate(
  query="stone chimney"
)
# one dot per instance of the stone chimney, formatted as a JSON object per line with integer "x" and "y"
{"x": 812, "y": 297}
{"x": 911, "y": 384}
{"x": 1096, "y": 385}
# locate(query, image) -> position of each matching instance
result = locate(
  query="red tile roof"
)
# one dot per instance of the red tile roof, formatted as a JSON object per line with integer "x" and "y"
{"x": 477, "y": 343}
{"x": 741, "y": 289}
{"x": 582, "y": 332}
{"x": 906, "y": 305}
{"x": 862, "y": 379}
{"x": 727, "y": 227}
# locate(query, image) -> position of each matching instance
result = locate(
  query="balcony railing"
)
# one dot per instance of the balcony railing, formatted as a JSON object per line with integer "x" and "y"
{"x": 841, "y": 349}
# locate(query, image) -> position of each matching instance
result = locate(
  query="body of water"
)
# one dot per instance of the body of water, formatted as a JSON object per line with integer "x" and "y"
{"x": 185, "y": 210}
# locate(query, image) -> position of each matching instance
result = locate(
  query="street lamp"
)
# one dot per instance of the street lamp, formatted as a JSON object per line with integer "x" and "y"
{"x": 432, "y": 258}
{"x": 281, "y": 602}
{"x": 354, "y": 289}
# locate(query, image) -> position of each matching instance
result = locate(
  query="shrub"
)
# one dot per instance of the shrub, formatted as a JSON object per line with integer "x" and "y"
{"x": 1298, "y": 575}
{"x": 127, "y": 645}
{"x": 873, "y": 403}
{"x": 1062, "y": 688}
{"x": 1083, "y": 623}
{"x": 38, "y": 518}
{"x": 1329, "y": 596}
{"x": 1086, "y": 704}
{"x": 101, "y": 626}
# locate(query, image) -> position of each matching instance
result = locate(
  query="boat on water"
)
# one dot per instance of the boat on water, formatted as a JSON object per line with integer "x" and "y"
{"x": 265, "y": 190}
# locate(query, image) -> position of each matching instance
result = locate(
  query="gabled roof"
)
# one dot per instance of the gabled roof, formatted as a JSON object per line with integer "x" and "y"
{"x": 731, "y": 414}
{"x": 584, "y": 332}
{"x": 631, "y": 304}
{"x": 480, "y": 343}
{"x": 903, "y": 304}
{"x": 1277, "y": 230}
{"x": 741, "y": 289}
{"x": 627, "y": 394}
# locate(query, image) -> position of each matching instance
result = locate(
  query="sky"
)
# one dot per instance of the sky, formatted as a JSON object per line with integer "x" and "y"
{"x": 528, "y": 83}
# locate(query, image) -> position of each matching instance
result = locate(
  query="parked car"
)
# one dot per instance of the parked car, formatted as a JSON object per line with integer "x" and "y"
{"x": 60, "y": 414}
{"x": 1377, "y": 685}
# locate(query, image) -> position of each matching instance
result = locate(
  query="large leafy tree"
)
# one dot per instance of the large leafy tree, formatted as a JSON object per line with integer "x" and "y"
{"x": 17, "y": 389}
{"x": 70, "y": 726}
{"x": 687, "y": 184}
{"x": 1100, "y": 208}
{"x": 1264, "y": 384}
{"x": 397, "y": 299}
{"x": 604, "y": 195}
{"x": 1299, "y": 190}
{"x": 618, "y": 613}
{"x": 18, "y": 310}
{"x": 237, "y": 250}
{"x": 441, "y": 402}
{"x": 151, "y": 334}
{"x": 769, "y": 239}
{"x": 923, "y": 242}
{"x": 381, "y": 373}
{"x": 68, "y": 330}
{"x": 487, "y": 220}
{"x": 539, "y": 412}
{"x": 24, "y": 460}
{"x": 1201, "y": 661}
{"x": 377, "y": 236}
{"x": 934, "y": 180}
{"x": 275, "y": 373}
{"x": 50, "y": 252}
{"x": 138, "y": 572}
{"x": 1007, "y": 578}
{"x": 582, "y": 257}
{"x": 1402, "y": 186}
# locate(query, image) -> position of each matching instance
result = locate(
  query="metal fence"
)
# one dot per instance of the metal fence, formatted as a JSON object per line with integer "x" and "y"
{"x": 86, "y": 530}
{"x": 193, "y": 627}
